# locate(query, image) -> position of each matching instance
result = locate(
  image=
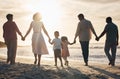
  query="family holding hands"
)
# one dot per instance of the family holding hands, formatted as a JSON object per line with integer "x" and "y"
{"x": 60, "y": 45}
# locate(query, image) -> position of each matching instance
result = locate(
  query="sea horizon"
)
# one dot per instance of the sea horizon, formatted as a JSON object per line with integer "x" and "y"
{"x": 96, "y": 53}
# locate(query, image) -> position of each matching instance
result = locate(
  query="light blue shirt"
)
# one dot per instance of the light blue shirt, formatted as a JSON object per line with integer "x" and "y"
{"x": 56, "y": 43}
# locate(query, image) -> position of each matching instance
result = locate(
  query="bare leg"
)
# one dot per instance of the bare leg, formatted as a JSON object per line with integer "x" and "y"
{"x": 39, "y": 59}
{"x": 55, "y": 61}
{"x": 61, "y": 61}
{"x": 35, "y": 55}
{"x": 66, "y": 61}
{"x": 55, "y": 56}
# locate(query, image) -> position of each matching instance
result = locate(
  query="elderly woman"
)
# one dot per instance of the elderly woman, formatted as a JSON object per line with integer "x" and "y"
{"x": 38, "y": 43}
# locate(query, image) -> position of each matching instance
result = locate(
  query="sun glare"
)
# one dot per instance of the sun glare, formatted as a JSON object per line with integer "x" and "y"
{"x": 49, "y": 9}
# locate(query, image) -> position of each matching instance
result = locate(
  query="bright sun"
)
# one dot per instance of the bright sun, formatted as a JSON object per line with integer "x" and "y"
{"x": 50, "y": 10}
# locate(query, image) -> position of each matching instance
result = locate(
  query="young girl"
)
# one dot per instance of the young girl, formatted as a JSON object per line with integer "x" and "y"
{"x": 65, "y": 51}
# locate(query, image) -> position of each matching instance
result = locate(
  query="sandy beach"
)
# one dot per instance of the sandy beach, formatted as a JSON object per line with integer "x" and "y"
{"x": 25, "y": 69}
{"x": 59, "y": 15}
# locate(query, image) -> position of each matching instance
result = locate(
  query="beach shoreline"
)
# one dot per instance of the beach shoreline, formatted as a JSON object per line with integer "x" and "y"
{"x": 96, "y": 55}
{"x": 25, "y": 69}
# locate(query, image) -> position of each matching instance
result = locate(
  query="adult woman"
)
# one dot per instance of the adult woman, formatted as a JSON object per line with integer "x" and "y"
{"x": 38, "y": 43}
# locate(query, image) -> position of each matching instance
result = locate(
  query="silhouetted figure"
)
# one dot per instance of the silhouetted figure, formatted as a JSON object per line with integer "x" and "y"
{"x": 112, "y": 37}
{"x": 65, "y": 50}
{"x": 10, "y": 37}
{"x": 38, "y": 43}
{"x": 84, "y": 30}
{"x": 57, "y": 47}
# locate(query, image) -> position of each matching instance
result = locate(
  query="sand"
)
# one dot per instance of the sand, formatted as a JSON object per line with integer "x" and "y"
{"x": 25, "y": 69}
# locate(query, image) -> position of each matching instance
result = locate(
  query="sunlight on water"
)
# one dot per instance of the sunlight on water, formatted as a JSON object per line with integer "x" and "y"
{"x": 96, "y": 53}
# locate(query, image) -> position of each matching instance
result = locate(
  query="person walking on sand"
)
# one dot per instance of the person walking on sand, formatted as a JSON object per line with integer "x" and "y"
{"x": 10, "y": 31}
{"x": 84, "y": 29}
{"x": 65, "y": 50}
{"x": 112, "y": 37}
{"x": 57, "y": 47}
{"x": 38, "y": 43}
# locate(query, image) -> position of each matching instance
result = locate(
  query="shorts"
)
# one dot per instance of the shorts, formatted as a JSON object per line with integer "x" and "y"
{"x": 57, "y": 53}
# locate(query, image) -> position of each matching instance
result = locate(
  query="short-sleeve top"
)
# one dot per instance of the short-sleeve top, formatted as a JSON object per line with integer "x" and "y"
{"x": 56, "y": 43}
{"x": 9, "y": 30}
{"x": 111, "y": 32}
{"x": 84, "y": 30}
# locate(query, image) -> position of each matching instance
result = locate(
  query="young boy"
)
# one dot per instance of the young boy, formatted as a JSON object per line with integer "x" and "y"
{"x": 57, "y": 47}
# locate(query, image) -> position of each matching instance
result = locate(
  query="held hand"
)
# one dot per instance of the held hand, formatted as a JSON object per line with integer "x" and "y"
{"x": 49, "y": 40}
{"x": 97, "y": 38}
{"x": 74, "y": 41}
{"x": 23, "y": 38}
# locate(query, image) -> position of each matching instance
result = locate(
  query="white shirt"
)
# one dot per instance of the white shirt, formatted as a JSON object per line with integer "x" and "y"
{"x": 56, "y": 43}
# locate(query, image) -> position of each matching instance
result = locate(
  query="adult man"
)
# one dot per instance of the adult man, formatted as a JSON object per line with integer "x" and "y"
{"x": 84, "y": 29}
{"x": 112, "y": 37}
{"x": 10, "y": 37}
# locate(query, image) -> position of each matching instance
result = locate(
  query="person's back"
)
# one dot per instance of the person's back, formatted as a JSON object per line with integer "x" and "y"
{"x": 10, "y": 37}
{"x": 112, "y": 38}
{"x": 9, "y": 30}
{"x": 39, "y": 47}
{"x": 37, "y": 26}
{"x": 85, "y": 30}
{"x": 111, "y": 33}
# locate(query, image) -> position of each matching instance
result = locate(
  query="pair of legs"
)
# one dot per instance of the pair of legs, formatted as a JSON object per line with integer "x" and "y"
{"x": 111, "y": 57}
{"x": 57, "y": 54}
{"x": 85, "y": 51}
{"x": 11, "y": 50}
{"x": 39, "y": 58}
{"x": 66, "y": 61}
{"x": 35, "y": 49}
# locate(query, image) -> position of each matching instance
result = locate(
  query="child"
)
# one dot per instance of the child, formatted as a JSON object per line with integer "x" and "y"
{"x": 65, "y": 51}
{"x": 57, "y": 47}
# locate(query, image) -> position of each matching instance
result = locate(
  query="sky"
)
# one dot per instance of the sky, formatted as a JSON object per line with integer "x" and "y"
{"x": 60, "y": 15}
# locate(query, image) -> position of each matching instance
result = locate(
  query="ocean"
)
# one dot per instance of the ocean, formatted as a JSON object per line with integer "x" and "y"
{"x": 96, "y": 53}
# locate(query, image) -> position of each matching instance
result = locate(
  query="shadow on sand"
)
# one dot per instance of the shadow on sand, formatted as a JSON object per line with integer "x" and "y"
{"x": 104, "y": 74}
{"x": 30, "y": 71}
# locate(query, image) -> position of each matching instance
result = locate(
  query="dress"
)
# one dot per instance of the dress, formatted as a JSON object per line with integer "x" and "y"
{"x": 65, "y": 51}
{"x": 38, "y": 42}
